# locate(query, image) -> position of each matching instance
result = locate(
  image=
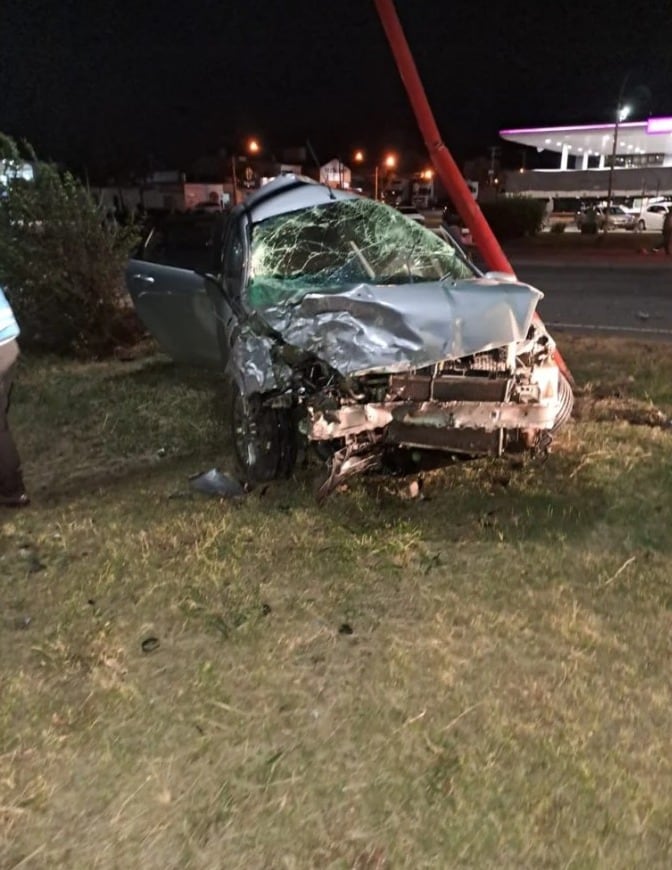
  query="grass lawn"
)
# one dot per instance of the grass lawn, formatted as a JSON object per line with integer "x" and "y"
{"x": 476, "y": 678}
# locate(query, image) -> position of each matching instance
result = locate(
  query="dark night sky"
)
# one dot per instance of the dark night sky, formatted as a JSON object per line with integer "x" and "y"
{"x": 106, "y": 83}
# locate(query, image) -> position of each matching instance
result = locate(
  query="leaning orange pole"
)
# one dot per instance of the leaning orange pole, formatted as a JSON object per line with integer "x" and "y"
{"x": 443, "y": 161}
{"x": 445, "y": 166}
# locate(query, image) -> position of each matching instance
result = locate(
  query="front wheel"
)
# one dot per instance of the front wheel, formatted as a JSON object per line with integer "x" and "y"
{"x": 264, "y": 438}
{"x": 566, "y": 397}
{"x": 641, "y": 226}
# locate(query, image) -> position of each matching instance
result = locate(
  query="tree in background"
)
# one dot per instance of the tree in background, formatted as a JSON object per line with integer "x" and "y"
{"x": 62, "y": 260}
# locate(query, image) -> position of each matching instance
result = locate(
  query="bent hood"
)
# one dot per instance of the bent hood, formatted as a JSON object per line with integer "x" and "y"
{"x": 371, "y": 328}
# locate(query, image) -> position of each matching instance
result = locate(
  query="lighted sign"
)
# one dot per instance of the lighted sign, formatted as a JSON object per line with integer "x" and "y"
{"x": 659, "y": 125}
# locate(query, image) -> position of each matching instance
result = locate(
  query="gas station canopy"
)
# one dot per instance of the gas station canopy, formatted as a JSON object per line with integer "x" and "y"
{"x": 653, "y": 136}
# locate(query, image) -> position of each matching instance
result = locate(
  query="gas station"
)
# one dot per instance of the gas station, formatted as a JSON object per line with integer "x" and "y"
{"x": 640, "y": 153}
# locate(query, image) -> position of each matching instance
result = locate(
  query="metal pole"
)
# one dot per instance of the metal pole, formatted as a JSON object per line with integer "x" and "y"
{"x": 610, "y": 183}
{"x": 375, "y": 189}
{"x": 234, "y": 179}
{"x": 445, "y": 166}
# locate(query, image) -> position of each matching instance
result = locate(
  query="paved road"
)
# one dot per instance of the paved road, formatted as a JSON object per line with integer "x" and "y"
{"x": 630, "y": 298}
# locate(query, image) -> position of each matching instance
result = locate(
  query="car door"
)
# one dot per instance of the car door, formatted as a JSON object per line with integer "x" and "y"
{"x": 166, "y": 282}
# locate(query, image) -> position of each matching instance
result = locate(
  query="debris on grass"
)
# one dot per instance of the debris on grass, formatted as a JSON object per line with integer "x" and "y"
{"x": 150, "y": 644}
{"x": 216, "y": 483}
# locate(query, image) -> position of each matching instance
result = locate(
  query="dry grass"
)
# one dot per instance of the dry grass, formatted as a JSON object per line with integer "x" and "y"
{"x": 477, "y": 678}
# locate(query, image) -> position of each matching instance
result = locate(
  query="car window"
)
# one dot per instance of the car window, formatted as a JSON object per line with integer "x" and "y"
{"x": 184, "y": 242}
{"x": 330, "y": 248}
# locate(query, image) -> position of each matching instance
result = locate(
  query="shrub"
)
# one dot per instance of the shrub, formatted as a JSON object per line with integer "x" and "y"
{"x": 558, "y": 227}
{"x": 513, "y": 217}
{"x": 62, "y": 262}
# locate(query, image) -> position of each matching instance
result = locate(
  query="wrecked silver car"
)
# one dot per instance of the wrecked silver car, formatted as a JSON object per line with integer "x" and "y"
{"x": 341, "y": 323}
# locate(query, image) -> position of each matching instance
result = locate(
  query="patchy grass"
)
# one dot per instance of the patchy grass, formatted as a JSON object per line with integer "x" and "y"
{"x": 477, "y": 678}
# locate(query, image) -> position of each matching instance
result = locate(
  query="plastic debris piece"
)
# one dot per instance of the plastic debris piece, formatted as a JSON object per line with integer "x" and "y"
{"x": 150, "y": 644}
{"x": 214, "y": 482}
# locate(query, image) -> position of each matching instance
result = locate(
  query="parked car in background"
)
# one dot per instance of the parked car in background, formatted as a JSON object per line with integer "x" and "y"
{"x": 652, "y": 217}
{"x": 593, "y": 218}
{"x": 342, "y": 325}
{"x": 453, "y": 224}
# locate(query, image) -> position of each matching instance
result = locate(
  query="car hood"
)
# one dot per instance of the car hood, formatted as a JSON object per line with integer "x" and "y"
{"x": 373, "y": 328}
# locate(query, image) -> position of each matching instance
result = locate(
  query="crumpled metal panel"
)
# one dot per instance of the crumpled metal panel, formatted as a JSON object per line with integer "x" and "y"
{"x": 359, "y": 286}
{"x": 393, "y": 328}
{"x": 251, "y": 364}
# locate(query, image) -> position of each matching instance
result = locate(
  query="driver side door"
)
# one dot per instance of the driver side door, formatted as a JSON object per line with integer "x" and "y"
{"x": 166, "y": 282}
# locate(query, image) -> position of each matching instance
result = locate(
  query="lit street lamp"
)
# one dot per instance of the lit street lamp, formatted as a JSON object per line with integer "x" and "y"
{"x": 253, "y": 147}
{"x": 622, "y": 113}
{"x": 389, "y": 163}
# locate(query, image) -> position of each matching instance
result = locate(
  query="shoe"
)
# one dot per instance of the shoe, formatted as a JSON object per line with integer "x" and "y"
{"x": 18, "y": 500}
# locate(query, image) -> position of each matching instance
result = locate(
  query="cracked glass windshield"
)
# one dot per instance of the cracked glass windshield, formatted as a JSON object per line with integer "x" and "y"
{"x": 331, "y": 248}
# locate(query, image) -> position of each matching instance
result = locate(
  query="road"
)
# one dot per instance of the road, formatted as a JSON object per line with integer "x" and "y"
{"x": 633, "y": 299}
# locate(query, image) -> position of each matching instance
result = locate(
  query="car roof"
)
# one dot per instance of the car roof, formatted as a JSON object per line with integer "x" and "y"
{"x": 288, "y": 193}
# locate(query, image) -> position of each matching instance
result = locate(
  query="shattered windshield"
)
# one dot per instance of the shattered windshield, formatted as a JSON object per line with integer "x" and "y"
{"x": 330, "y": 248}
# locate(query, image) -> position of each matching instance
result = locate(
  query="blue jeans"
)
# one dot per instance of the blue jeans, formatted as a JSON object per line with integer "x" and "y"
{"x": 11, "y": 478}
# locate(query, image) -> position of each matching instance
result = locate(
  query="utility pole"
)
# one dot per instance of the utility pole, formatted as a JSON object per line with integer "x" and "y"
{"x": 446, "y": 168}
{"x": 234, "y": 180}
{"x": 492, "y": 173}
{"x": 622, "y": 113}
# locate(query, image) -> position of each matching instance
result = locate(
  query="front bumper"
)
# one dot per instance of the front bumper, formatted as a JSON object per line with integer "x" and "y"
{"x": 489, "y": 417}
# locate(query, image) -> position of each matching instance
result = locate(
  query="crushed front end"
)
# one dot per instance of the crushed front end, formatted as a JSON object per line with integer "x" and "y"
{"x": 376, "y": 336}
{"x": 504, "y": 400}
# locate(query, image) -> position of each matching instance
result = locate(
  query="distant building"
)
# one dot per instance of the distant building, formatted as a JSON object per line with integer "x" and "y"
{"x": 641, "y": 150}
{"x": 336, "y": 174}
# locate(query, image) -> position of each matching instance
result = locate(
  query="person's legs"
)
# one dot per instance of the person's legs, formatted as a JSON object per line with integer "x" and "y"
{"x": 11, "y": 479}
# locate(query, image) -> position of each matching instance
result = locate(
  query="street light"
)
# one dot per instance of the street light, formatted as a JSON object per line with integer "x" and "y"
{"x": 622, "y": 112}
{"x": 358, "y": 156}
{"x": 252, "y": 147}
{"x": 389, "y": 163}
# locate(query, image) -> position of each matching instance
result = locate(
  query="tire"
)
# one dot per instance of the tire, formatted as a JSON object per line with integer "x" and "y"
{"x": 641, "y": 226}
{"x": 566, "y": 396}
{"x": 264, "y": 439}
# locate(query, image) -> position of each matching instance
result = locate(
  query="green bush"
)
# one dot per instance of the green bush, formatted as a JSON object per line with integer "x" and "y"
{"x": 513, "y": 217}
{"x": 62, "y": 262}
